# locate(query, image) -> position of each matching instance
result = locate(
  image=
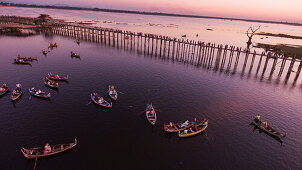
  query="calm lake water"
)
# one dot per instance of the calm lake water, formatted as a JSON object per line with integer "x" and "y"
{"x": 121, "y": 138}
{"x": 224, "y": 31}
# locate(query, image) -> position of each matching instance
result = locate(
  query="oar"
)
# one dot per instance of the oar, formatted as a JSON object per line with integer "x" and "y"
{"x": 88, "y": 103}
{"x": 36, "y": 161}
{"x": 120, "y": 92}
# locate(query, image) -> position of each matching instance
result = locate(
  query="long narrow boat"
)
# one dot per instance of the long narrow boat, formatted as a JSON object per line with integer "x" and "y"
{"x": 21, "y": 61}
{"x": 266, "y": 128}
{"x": 151, "y": 114}
{"x": 3, "y": 90}
{"x": 112, "y": 92}
{"x": 39, "y": 93}
{"x": 194, "y": 130}
{"x": 72, "y": 54}
{"x": 52, "y": 45}
{"x": 57, "y": 77}
{"x": 97, "y": 99}
{"x": 51, "y": 83}
{"x": 33, "y": 153}
{"x": 176, "y": 127}
{"x": 28, "y": 58}
{"x": 17, "y": 93}
{"x": 45, "y": 52}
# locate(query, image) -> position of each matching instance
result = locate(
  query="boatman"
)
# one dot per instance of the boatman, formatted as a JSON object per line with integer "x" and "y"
{"x": 258, "y": 117}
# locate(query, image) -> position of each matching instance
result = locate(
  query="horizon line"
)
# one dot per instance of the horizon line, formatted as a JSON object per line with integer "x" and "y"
{"x": 67, "y": 7}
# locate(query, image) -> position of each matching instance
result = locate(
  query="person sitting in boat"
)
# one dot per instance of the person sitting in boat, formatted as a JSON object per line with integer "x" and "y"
{"x": 171, "y": 125}
{"x": 39, "y": 92}
{"x": 195, "y": 128}
{"x": 185, "y": 131}
{"x": 47, "y": 149}
{"x": 56, "y": 76}
{"x": 264, "y": 124}
{"x": 2, "y": 89}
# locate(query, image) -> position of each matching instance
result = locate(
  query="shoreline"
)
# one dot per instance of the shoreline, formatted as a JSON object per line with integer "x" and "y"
{"x": 2, "y": 4}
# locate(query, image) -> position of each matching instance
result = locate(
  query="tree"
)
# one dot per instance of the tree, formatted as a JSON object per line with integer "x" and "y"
{"x": 250, "y": 33}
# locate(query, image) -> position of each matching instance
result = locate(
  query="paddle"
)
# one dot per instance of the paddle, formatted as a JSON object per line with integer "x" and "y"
{"x": 88, "y": 103}
{"x": 36, "y": 161}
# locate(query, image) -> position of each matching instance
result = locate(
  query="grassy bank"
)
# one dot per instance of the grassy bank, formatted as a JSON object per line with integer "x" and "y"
{"x": 286, "y": 49}
{"x": 279, "y": 35}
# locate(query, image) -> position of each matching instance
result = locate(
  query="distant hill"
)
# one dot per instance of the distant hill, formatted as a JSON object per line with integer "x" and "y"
{"x": 64, "y": 6}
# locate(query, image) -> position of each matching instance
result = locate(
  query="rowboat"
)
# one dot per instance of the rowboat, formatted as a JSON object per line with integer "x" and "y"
{"x": 57, "y": 77}
{"x": 112, "y": 92}
{"x": 151, "y": 114}
{"x": 40, "y": 152}
{"x": 266, "y": 128}
{"x": 72, "y": 54}
{"x": 39, "y": 93}
{"x": 3, "y": 90}
{"x": 52, "y": 45}
{"x": 27, "y": 58}
{"x": 176, "y": 127}
{"x": 20, "y": 61}
{"x": 45, "y": 51}
{"x": 194, "y": 130}
{"x": 17, "y": 93}
{"x": 97, "y": 99}
{"x": 51, "y": 83}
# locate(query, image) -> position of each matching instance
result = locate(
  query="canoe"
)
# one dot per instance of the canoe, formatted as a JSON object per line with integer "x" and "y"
{"x": 269, "y": 130}
{"x": 72, "y": 54}
{"x": 176, "y": 127}
{"x": 45, "y": 52}
{"x": 21, "y": 61}
{"x": 97, "y": 99}
{"x": 112, "y": 92}
{"x": 57, "y": 77}
{"x": 151, "y": 114}
{"x": 17, "y": 93}
{"x": 28, "y": 58}
{"x": 191, "y": 132}
{"x": 39, "y": 93}
{"x": 34, "y": 153}
{"x": 3, "y": 90}
{"x": 51, "y": 83}
{"x": 53, "y": 45}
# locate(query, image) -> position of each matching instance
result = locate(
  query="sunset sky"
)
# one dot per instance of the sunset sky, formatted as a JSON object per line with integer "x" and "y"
{"x": 277, "y": 10}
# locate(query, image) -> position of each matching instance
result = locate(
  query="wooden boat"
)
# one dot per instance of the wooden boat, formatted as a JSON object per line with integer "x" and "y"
{"x": 151, "y": 114}
{"x": 269, "y": 130}
{"x": 21, "y": 61}
{"x": 45, "y": 51}
{"x": 176, "y": 127}
{"x": 97, "y": 99}
{"x": 17, "y": 93}
{"x": 39, "y": 152}
{"x": 51, "y": 83}
{"x": 39, "y": 93}
{"x": 112, "y": 92}
{"x": 52, "y": 45}
{"x": 194, "y": 130}
{"x": 3, "y": 90}
{"x": 72, "y": 54}
{"x": 28, "y": 58}
{"x": 57, "y": 77}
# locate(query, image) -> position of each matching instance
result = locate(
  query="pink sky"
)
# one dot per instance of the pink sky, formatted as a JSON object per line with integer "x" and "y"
{"x": 277, "y": 10}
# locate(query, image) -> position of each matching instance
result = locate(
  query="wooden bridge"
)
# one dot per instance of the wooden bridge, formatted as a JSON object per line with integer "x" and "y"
{"x": 208, "y": 55}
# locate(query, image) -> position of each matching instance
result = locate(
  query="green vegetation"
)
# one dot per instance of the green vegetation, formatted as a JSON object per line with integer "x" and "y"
{"x": 286, "y": 49}
{"x": 279, "y": 35}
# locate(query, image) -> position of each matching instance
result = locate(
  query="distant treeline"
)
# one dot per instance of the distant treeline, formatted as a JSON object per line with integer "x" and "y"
{"x": 140, "y": 12}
